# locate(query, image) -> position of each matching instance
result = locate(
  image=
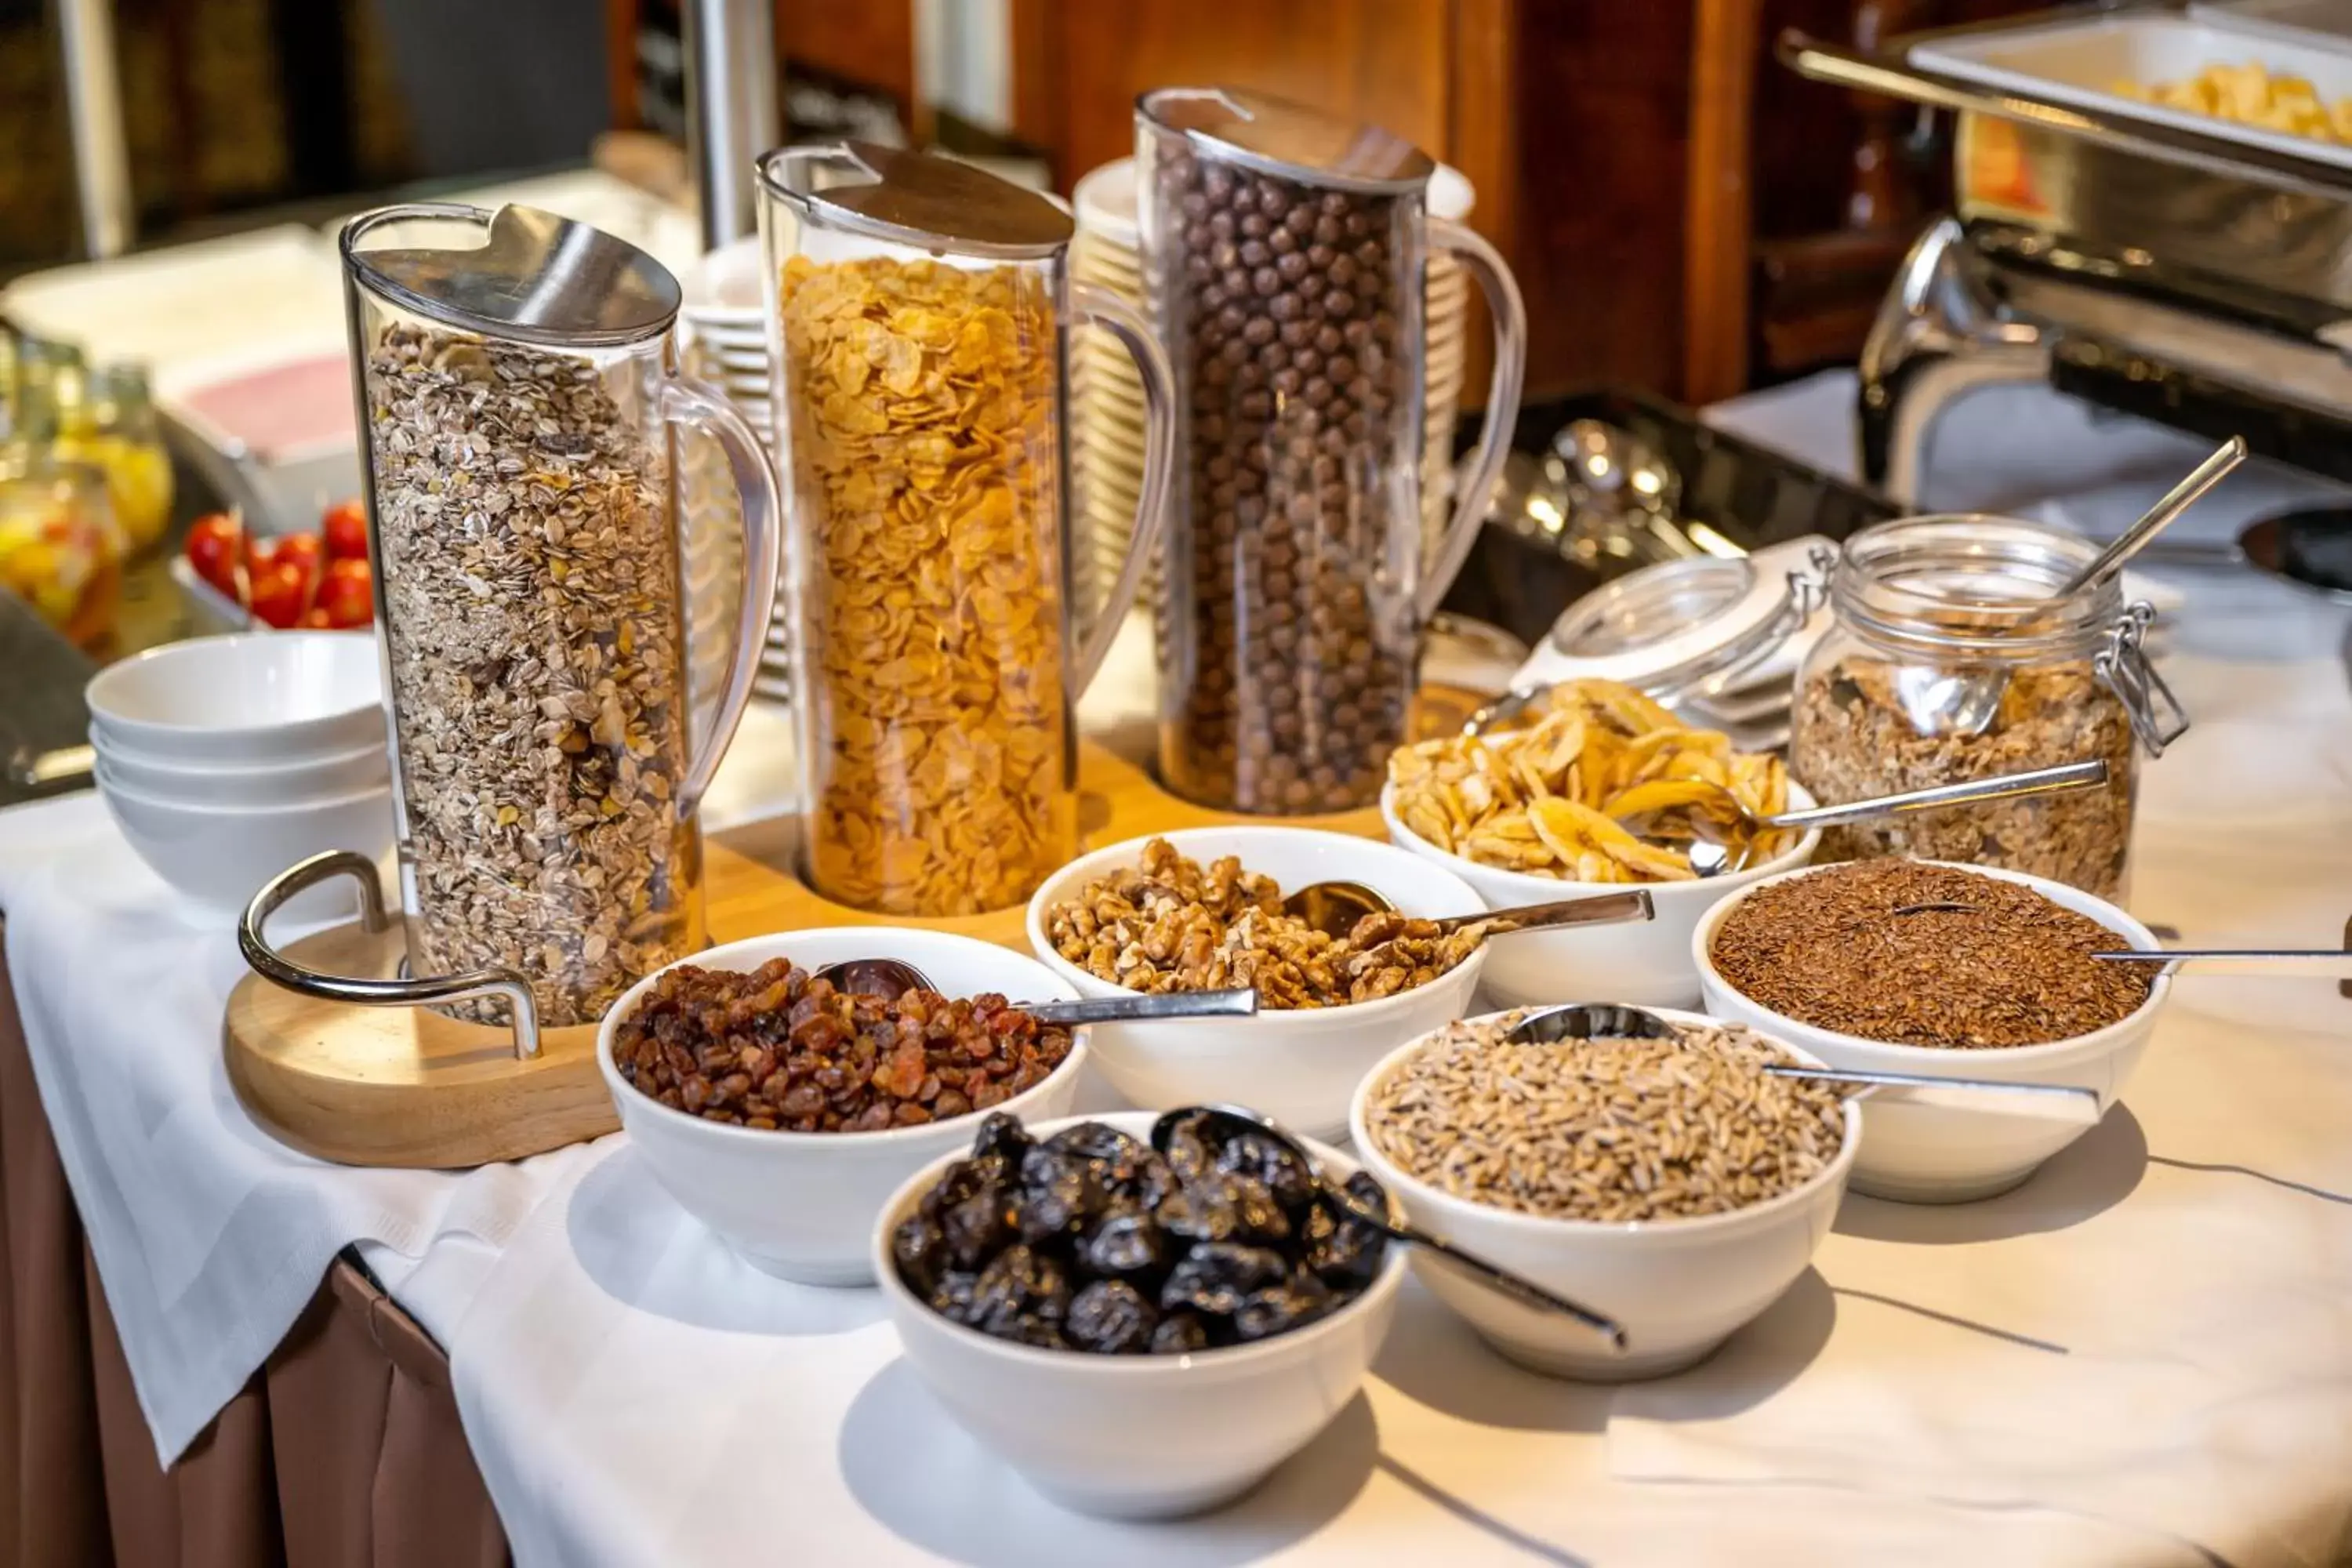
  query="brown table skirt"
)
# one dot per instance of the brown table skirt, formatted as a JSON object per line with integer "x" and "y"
{"x": 344, "y": 1451}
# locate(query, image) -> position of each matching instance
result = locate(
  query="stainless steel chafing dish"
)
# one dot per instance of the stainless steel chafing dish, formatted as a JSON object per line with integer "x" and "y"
{"x": 2201, "y": 276}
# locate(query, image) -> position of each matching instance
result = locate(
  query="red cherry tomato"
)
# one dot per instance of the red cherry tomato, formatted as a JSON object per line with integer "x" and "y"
{"x": 346, "y": 530}
{"x": 212, "y": 549}
{"x": 307, "y": 551}
{"x": 281, "y": 592}
{"x": 314, "y": 619}
{"x": 348, "y": 594}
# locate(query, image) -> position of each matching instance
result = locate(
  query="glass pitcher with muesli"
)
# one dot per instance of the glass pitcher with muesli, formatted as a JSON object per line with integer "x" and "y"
{"x": 1948, "y": 659}
{"x": 516, "y": 385}
{"x": 919, "y": 313}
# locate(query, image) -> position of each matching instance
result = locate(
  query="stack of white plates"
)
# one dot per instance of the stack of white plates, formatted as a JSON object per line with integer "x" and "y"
{"x": 1106, "y": 398}
{"x": 726, "y": 346}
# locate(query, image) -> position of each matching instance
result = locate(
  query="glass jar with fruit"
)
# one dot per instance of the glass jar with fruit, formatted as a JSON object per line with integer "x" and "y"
{"x": 106, "y": 418}
{"x": 60, "y": 548}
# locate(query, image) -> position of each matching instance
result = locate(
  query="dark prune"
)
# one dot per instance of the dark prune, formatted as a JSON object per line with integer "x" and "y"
{"x": 957, "y": 1183}
{"x": 1030, "y": 1329}
{"x": 1019, "y": 1282}
{"x": 1259, "y": 1219}
{"x": 1093, "y": 1140}
{"x": 1369, "y": 1195}
{"x": 1003, "y": 1136}
{"x": 1216, "y": 1276}
{"x": 1272, "y": 1163}
{"x": 952, "y": 1298}
{"x": 979, "y": 1226}
{"x": 1112, "y": 1316}
{"x": 1149, "y": 1181}
{"x": 1293, "y": 1304}
{"x": 1202, "y": 1210}
{"x": 1188, "y": 1152}
{"x": 920, "y": 1250}
{"x": 1344, "y": 1252}
{"x": 1125, "y": 1244}
{"x": 1178, "y": 1333}
{"x": 1058, "y": 1197}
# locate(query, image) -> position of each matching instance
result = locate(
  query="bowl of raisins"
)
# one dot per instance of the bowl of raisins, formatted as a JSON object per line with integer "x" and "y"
{"x": 1138, "y": 1334}
{"x": 782, "y": 1111}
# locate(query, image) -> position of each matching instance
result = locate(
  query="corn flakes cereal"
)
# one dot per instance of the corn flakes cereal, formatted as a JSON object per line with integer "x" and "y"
{"x": 925, "y": 484}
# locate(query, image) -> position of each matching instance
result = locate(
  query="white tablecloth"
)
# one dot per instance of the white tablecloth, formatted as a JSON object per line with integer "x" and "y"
{"x": 2143, "y": 1355}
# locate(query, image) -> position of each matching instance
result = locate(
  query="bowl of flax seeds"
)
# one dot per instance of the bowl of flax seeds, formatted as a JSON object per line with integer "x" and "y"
{"x": 1897, "y": 965}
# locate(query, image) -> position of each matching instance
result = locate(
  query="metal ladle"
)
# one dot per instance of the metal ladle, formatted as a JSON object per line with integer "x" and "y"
{"x": 890, "y": 978}
{"x": 1525, "y": 1292}
{"x": 1333, "y": 907}
{"x": 2064, "y": 1102}
{"x": 1712, "y": 859}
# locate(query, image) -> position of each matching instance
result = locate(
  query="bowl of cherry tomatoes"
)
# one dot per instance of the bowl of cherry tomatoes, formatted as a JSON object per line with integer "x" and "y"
{"x": 318, "y": 580}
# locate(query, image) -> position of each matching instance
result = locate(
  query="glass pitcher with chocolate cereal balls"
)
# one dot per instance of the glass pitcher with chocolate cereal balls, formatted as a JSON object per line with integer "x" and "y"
{"x": 919, "y": 321}
{"x": 1284, "y": 251}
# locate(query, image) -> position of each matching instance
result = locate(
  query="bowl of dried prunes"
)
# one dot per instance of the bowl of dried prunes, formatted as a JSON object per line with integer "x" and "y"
{"x": 1139, "y": 1334}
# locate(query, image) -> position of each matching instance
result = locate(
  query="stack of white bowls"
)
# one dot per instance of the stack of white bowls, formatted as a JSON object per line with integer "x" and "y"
{"x": 1106, "y": 398}
{"x": 726, "y": 335}
{"x": 226, "y": 760}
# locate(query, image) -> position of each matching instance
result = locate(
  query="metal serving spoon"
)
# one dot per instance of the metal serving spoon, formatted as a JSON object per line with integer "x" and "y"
{"x": 890, "y": 978}
{"x": 1710, "y": 857}
{"x": 2340, "y": 958}
{"x": 1612, "y": 1021}
{"x": 1965, "y": 702}
{"x": 1333, "y": 907}
{"x": 1526, "y": 1292}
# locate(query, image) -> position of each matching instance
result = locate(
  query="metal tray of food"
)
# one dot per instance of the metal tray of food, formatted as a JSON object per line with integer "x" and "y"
{"x": 2259, "y": 83}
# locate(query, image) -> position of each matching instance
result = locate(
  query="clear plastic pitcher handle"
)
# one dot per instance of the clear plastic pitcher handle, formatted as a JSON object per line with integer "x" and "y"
{"x": 692, "y": 404}
{"x": 1475, "y": 476}
{"x": 1103, "y": 308}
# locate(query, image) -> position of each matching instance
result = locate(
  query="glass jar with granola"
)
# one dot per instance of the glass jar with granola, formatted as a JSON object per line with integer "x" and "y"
{"x": 1953, "y": 656}
{"x": 517, "y": 394}
{"x": 919, "y": 334}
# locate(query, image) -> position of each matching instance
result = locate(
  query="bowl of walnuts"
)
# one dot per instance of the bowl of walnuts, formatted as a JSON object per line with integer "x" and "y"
{"x": 1201, "y": 909}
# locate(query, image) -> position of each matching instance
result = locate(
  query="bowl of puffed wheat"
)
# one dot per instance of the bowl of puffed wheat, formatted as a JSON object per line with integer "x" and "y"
{"x": 1201, "y": 909}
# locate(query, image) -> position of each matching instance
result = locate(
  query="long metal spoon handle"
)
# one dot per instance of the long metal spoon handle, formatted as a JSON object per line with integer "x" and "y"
{"x": 1927, "y": 1080}
{"x": 1603, "y": 909}
{"x": 2041, "y": 781}
{"x": 2179, "y": 499}
{"x": 1241, "y": 1003}
{"x": 1525, "y": 1292}
{"x": 2175, "y": 955}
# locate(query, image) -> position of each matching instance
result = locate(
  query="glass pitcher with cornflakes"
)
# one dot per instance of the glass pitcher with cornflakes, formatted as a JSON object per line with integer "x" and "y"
{"x": 919, "y": 317}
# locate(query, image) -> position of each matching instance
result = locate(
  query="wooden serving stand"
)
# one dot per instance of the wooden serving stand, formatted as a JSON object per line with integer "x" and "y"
{"x": 410, "y": 1086}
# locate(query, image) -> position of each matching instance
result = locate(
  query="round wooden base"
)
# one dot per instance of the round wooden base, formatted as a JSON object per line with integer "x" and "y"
{"x": 402, "y": 1086}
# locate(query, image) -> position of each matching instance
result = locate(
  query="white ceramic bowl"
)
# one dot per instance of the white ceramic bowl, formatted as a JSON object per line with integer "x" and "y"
{"x": 1937, "y": 1155}
{"x": 802, "y": 1205}
{"x": 270, "y": 784}
{"x": 1299, "y": 1066}
{"x": 220, "y": 856}
{"x": 1647, "y": 964}
{"x": 1679, "y": 1287}
{"x": 265, "y": 698}
{"x": 1138, "y": 1437}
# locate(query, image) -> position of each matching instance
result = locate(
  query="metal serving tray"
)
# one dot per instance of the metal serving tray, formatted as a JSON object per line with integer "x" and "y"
{"x": 2248, "y": 223}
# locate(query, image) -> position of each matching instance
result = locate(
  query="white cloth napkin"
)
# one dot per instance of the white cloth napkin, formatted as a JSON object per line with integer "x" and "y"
{"x": 209, "y": 1236}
